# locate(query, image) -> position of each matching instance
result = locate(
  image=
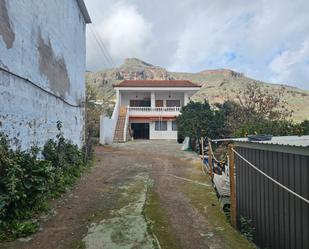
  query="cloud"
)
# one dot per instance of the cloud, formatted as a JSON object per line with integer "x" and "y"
{"x": 124, "y": 32}
{"x": 292, "y": 64}
{"x": 194, "y": 35}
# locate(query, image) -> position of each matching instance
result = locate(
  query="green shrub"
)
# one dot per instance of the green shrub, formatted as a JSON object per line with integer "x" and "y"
{"x": 24, "y": 183}
{"x": 246, "y": 228}
{"x": 275, "y": 128}
{"x": 27, "y": 181}
{"x": 67, "y": 160}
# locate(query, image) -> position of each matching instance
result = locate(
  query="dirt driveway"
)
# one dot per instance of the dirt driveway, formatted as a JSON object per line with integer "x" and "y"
{"x": 141, "y": 194}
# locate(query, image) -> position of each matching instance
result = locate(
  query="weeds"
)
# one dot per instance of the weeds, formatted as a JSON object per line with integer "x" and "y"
{"x": 27, "y": 182}
{"x": 246, "y": 228}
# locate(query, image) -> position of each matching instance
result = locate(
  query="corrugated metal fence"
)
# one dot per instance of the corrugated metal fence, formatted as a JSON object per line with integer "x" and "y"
{"x": 280, "y": 219}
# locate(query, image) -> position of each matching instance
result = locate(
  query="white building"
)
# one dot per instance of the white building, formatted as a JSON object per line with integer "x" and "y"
{"x": 42, "y": 68}
{"x": 146, "y": 109}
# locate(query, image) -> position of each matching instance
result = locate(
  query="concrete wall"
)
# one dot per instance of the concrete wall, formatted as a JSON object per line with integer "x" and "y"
{"x": 106, "y": 130}
{"x": 169, "y": 134}
{"x": 43, "y": 41}
{"x": 153, "y": 134}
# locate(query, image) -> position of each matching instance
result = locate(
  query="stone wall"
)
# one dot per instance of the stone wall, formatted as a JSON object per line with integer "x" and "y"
{"x": 42, "y": 65}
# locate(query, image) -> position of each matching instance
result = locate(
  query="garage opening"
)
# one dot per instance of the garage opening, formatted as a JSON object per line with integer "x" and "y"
{"x": 140, "y": 130}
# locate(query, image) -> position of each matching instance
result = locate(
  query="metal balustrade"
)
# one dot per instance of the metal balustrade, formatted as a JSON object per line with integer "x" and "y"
{"x": 154, "y": 109}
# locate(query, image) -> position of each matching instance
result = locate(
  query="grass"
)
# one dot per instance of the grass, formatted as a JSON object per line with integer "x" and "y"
{"x": 158, "y": 223}
{"x": 204, "y": 199}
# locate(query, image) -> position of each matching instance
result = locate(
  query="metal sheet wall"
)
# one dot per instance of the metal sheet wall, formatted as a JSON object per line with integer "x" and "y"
{"x": 280, "y": 219}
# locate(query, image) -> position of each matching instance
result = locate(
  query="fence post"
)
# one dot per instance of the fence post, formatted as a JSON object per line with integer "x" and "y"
{"x": 233, "y": 210}
{"x": 202, "y": 144}
{"x": 210, "y": 158}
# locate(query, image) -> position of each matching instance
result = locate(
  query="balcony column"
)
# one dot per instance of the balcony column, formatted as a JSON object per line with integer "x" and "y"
{"x": 153, "y": 100}
{"x": 185, "y": 99}
{"x": 118, "y": 97}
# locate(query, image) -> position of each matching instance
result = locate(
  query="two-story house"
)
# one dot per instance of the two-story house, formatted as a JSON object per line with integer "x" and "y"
{"x": 146, "y": 109}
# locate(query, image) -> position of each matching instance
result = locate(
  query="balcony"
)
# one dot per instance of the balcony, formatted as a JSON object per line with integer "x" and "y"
{"x": 154, "y": 111}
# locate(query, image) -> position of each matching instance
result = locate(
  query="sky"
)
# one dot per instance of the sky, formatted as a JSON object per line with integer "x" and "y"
{"x": 267, "y": 40}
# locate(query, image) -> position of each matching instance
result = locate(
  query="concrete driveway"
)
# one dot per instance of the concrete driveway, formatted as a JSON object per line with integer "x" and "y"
{"x": 141, "y": 194}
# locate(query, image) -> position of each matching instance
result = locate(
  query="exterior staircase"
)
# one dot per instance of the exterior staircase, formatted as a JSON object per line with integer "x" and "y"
{"x": 119, "y": 135}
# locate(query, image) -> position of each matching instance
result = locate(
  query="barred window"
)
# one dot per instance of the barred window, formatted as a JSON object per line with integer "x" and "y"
{"x": 172, "y": 103}
{"x": 174, "y": 125}
{"x": 161, "y": 126}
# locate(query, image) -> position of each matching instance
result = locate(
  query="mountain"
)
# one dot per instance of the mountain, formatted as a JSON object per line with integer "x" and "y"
{"x": 217, "y": 85}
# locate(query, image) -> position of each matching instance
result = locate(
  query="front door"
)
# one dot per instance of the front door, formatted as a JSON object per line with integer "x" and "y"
{"x": 140, "y": 130}
{"x": 159, "y": 103}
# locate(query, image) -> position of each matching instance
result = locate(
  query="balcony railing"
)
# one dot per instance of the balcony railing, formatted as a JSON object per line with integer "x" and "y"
{"x": 161, "y": 111}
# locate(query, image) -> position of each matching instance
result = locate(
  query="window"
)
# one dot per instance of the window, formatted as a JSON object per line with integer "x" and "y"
{"x": 172, "y": 103}
{"x": 139, "y": 103}
{"x": 161, "y": 126}
{"x": 174, "y": 125}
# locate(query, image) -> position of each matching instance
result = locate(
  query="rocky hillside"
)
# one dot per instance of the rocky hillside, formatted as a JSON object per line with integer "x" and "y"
{"x": 217, "y": 85}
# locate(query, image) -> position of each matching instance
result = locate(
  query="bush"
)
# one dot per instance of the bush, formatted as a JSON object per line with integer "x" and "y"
{"x": 67, "y": 161}
{"x": 305, "y": 127}
{"x": 275, "y": 128}
{"x": 246, "y": 228}
{"x": 26, "y": 182}
{"x": 200, "y": 120}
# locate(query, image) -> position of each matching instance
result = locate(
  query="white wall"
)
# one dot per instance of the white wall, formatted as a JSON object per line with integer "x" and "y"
{"x": 108, "y": 125}
{"x": 106, "y": 130}
{"x": 126, "y": 96}
{"x": 170, "y": 96}
{"x": 169, "y": 134}
{"x": 43, "y": 41}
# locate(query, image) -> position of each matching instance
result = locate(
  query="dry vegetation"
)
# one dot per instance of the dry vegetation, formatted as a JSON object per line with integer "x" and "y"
{"x": 218, "y": 85}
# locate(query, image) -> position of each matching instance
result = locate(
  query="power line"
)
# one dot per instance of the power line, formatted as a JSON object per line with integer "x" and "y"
{"x": 39, "y": 87}
{"x": 105, "y": 61}
{"x": 101, "y": 46}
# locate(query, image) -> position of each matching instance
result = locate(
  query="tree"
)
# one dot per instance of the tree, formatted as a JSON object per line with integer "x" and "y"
{"x": 257, "y": 102}
{"x": 200, "y": 120}
{"x": 305, "y": 127}
{"x": 255, "y": 110}
{"x": 96, "y": 106}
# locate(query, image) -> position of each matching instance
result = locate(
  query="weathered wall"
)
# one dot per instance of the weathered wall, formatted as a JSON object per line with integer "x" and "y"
{"x": 43, "y": 41}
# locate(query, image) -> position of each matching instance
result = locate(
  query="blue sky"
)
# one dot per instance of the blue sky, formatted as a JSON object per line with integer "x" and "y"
{"x": 266, "y": 40}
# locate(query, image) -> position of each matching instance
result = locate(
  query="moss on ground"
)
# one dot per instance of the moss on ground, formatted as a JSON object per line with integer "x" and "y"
{"x": 77, "y": 245}
{"x": 123, "y": 225}
{"x": 204, "y": 199}
{"x": 158, "y": 222}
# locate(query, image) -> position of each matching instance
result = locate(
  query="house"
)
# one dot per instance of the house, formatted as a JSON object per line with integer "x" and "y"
{"x": 275, "y": 194}
{"x": 146, "y": 109}
{"x": 42, "y": 68}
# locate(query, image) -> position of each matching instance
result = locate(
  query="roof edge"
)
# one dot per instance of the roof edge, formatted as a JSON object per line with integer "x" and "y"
{"x": 288, "y": 149}
{"x": 82, "y": 6}
{"x": 192, "y": 86}
{"x": 115, "y": 86}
